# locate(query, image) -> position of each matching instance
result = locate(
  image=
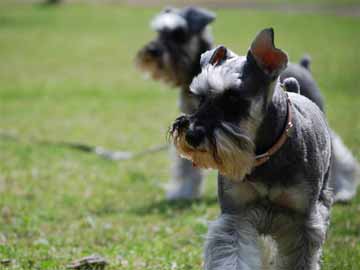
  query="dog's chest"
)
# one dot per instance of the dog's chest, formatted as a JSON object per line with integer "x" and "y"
{"x": 294, "y": 197}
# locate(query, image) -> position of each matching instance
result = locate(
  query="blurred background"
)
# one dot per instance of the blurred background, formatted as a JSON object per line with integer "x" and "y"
{"x": 67, "y": 74}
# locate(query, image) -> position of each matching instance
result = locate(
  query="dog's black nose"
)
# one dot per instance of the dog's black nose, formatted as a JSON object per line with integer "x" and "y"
{"x": 195, "y": 136}
{"x": 154, "y": 49}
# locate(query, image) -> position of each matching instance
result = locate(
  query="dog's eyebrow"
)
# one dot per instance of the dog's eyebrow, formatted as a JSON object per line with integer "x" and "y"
{"x": 169, "y": 21}
{"x": 216, "y": 79}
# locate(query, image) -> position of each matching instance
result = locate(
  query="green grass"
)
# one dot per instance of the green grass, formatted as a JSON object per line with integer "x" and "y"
{"x": 67, "y": 74}
{"x": 292, "y": 2}
{"x": 317, "y": 2}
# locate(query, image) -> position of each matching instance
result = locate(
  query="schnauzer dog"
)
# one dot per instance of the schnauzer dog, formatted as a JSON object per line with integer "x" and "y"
{"x": 174, "y": 57}
{"x": 272, "y": 150}
{"x": 183, "y": 35}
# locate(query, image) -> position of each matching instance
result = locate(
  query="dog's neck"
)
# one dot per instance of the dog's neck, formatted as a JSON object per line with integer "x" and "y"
{"x": 195, "y": 68}
{"x": 187, "y": 103}
{"x": 273, "y": 123}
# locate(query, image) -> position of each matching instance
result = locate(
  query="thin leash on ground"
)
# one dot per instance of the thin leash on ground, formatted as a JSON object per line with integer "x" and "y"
{"x": 83, "y": 147}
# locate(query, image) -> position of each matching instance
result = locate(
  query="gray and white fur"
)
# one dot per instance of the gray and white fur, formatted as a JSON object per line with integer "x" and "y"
{"x": 345, "y": 170}
{"x": 288, "y": 198}
{"x": 178, "y": 62}
{"x": 174, "y": 57}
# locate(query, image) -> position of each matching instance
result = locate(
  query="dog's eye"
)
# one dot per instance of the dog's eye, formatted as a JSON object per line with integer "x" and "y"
{"x": 200, "y": 98}
{"x": 179, "y": 35}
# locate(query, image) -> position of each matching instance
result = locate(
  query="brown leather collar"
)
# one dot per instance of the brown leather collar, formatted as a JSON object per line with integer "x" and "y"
{"x": 262, "y": 158}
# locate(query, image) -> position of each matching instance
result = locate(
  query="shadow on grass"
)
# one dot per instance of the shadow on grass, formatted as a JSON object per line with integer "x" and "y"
{"x": 171, "y": 208}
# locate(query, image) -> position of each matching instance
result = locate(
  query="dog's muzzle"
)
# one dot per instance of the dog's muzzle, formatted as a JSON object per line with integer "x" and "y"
{"x": 179, "y": 125}
{"x": 194, "y": 136}
{"x": 150, "y": 54}
{"x": 153, "y": 49}
{"x": 228, "y": 148}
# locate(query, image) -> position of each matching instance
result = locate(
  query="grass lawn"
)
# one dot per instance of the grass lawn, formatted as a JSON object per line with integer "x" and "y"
{"x": 67, "y": 73}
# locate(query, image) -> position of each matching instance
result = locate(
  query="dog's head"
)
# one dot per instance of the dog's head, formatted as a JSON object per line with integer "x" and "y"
{"x": 234, "y": 93}
{"x": 182, "y": 36}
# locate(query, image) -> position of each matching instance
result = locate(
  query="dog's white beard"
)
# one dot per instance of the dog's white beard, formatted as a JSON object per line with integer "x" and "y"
{"x": 201, "y": 159}
{"x": 235, "y": 162}
{"x": 231, "y": 161}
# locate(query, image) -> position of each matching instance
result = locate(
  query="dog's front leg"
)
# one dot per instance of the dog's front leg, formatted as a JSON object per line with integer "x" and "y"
{"x": 300, "y": 241}
{"x": 232, "y": 244}
{"x": 186, "y": 182}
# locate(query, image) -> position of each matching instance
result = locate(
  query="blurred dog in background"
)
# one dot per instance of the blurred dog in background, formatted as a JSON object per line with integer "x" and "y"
{"x": 174, "y": 57}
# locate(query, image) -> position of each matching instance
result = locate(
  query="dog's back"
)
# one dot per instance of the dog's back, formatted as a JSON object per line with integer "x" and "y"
{"x": 309, "y": 125}
{"x": 308, "y": 86}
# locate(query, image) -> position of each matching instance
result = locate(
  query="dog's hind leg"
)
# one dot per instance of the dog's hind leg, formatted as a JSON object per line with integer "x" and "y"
{"x": 232, "y": 244}
{"x": 186, "y": 182}
{"x": 345, "y": 171}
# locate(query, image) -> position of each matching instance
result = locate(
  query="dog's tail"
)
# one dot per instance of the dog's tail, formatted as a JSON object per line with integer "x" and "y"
{"x": 345, "y": 173}
{"x": 305, "y": 61}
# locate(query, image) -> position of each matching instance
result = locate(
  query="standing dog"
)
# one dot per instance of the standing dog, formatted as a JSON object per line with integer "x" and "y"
{"x": 174, "y": 57}
{"x": 272, "y": 150}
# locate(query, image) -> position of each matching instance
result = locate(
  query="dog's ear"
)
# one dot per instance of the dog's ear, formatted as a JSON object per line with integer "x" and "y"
{"x": 216, "y": 56}
{"x": 270, "y": 59}
{"x": 197, "y": 18}
{"x": 169, "y": 18}
{"x": 219, "y": 55}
